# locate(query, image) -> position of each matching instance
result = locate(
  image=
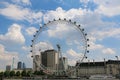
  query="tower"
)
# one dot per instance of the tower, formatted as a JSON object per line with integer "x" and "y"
{"x": 13, "y": 63}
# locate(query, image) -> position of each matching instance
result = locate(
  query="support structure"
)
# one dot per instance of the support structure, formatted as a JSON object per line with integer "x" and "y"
{"x": 63, "y": 72}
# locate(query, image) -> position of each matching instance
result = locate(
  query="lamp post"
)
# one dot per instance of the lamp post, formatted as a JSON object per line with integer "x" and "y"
{"x": 105, "y": 67}
{"x": 88, "y": 67}
{"x": 118, "y": 64}
{"x": 93, "y": 67}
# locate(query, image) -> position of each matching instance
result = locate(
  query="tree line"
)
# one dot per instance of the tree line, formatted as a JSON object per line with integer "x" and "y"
{"x": 18, "y": 74}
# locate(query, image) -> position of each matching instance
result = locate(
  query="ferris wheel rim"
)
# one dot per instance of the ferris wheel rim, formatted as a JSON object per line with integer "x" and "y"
{"x": 64, "y": 20}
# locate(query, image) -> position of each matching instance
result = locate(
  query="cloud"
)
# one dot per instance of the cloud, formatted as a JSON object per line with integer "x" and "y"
{"x": 26, "y": 2}
{"x": 73, "y": 56}
{"x": 108, "y": 3}
{"x": 99, "y": 48}
{"x": 108, "y": 7}
{"x": 113, "y": 11}
{"x": 42, "y": 46}
{"x": 106, "y": 33}
{"x": 16, "y": 12}
{"x": 26, "y": 48}
{"x": 71, "y": 62}
{"x": 59, "y": 30}
{"x": 108, "y": 51}
{"x": 6, "y": 57}
{"x": 94, "y": 46}
{"x": 84, "y": 1}
{"x": 13, "y": 35}
{"x": 31, "y": 30}
{"x": 72, "y": 53}
{"x": 70, "y": 14}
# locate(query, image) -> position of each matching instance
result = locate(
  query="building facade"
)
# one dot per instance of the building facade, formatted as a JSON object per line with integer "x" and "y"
{"x": 8, "y": 67}
{"x": 110, "y": 67}
{"x": 20, "y": 65}
{"x": 49, "y": 59}
{"x": 24, "y": 66}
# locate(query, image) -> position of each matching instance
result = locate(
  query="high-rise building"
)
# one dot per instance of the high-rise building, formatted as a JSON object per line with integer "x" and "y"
{"x": 50, "y": 59}
{"x": 8, "y": 67}
{"x": 20, "y": 65}
{"x": 63, "y": 65}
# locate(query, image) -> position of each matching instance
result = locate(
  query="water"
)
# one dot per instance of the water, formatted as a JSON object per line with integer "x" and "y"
{"x": 60, "y": 79}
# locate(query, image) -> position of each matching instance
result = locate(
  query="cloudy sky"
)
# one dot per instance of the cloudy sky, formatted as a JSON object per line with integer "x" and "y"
{"x": 19, "y": 20}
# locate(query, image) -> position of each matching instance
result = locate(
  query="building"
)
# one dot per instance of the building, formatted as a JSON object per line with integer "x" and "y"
{"x": 24, "y": 66}
{"x": 50, "y": 59}
{"x": 19, "y": 66}
{"x": 63, "y": 65}
{"x": 36, "y": 63}
{"x": 8, "y": 67}
{"x": 110, "y": 67}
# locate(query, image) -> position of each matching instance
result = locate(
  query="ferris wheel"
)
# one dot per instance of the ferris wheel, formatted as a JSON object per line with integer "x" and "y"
{"x": 66, "y": 39}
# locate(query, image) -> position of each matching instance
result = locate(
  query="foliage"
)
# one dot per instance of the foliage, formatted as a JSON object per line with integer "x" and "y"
{"x": 36, "y": 73}
{"x": 12, "y": 73}
{"x": 24, "y": 73}
{"x": 117, "y": 76}
{"x": 6, "y": 73}
{"x": 18, "y": 73}
{"x": 1, "y": 74}
{"x": 29, "y": 73}
{"x": 39, "y": 72}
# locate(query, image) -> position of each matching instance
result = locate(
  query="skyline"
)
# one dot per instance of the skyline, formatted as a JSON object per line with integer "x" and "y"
{"x": 19, "y": 20}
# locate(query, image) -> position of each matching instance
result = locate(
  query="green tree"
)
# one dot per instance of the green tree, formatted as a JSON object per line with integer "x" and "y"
{"x": 29, "y": 73}
{"x": 36, "y": 73}
{"x": 12, "y": 73}
{"x": 18, "y": 73}
{"x": 1, "y": 75}
{"x": 7, "y": 73}
{"x": 24, "y": 73}
{"x": 39, "y": 72}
